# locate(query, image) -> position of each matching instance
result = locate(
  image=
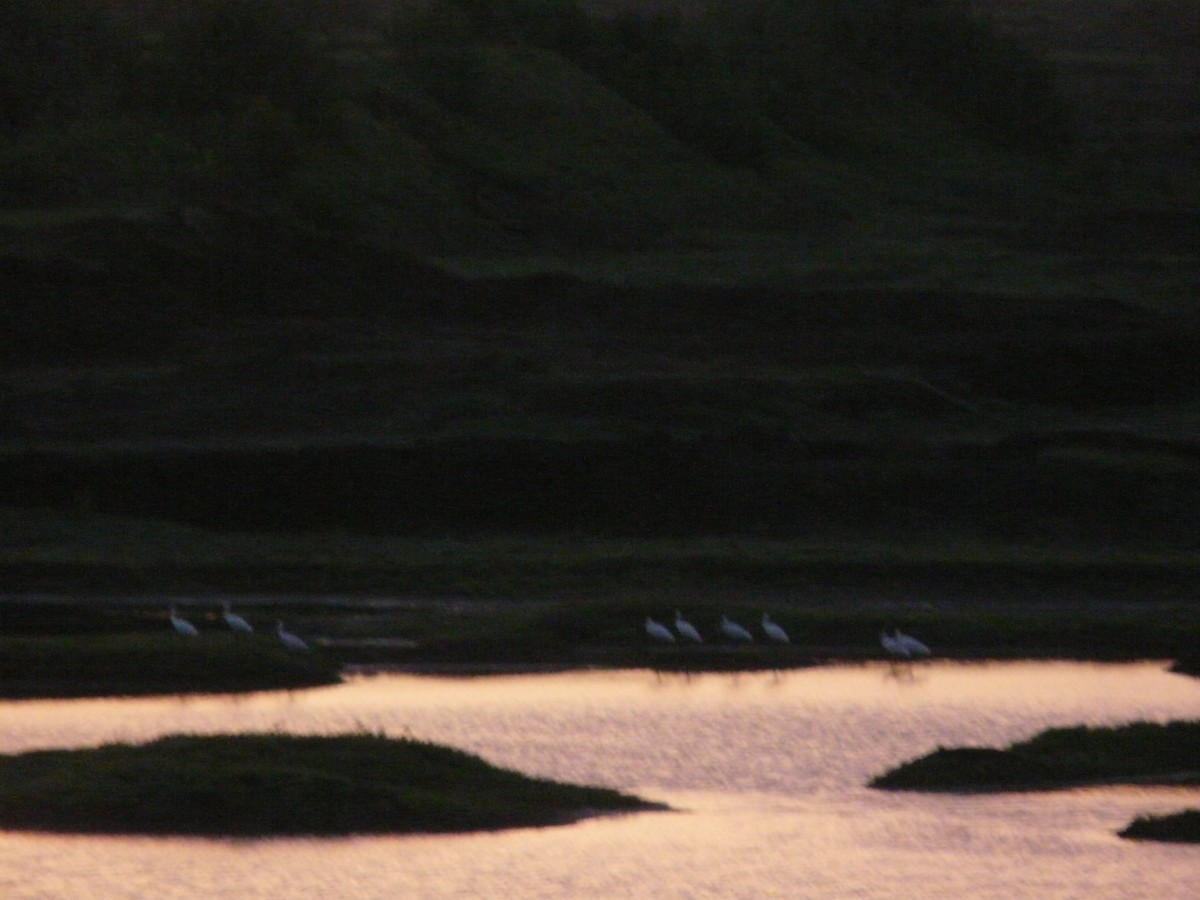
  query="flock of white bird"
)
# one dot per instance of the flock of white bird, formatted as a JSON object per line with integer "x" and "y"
{"x": 236, "y": 623}
{"x": 898, "y": 644}
{"x": 731, "y": 629}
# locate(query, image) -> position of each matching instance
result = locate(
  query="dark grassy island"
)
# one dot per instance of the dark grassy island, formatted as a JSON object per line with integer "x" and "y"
{"x": 258, "y": 785}
{"x": 1141, "y": 753}
{"x": 1182, "y": 827}
{"x": 549, "y": 316}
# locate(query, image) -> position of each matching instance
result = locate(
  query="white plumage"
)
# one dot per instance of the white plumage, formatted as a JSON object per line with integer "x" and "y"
{"x": 889, "y": 644}
{"x": 289, "y": 640}
{"x": 183, "y": 626}
{"x": 734, "y": 631}
{"x": 234, "y": 621}
{"x": 911, "y": 646}
{"x": 686, "y": 628}
{"x": 774, "y": 631}
{"x": 902, "y": 645}
{"x": 659, "y": 631}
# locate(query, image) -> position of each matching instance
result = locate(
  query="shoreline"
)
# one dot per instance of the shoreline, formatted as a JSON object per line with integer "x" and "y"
{"x": 56, "y": 646}
{"x": 10, "y": 693}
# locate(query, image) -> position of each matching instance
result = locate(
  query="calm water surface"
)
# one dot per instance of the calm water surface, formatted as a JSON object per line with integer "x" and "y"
{"x": 765, "y": 773}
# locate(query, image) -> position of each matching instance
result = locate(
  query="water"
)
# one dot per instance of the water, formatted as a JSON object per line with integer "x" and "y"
{"x": 765, "y": 773}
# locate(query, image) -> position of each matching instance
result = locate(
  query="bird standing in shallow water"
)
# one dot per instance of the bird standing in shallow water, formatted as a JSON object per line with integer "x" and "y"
{"x": 902, "y": 645}
{"x": 687, "y": 629}
{"x": 889, "y": 644}
{"x": 234, "y": 621}
{"x": 289, "y": 640}
{"x": 659, "y": 631}
{"x": 774, "y": 632}
{"x": 183, "y": 626}
{"x": 911, "y": 646}
{"x": 734, "y": 631}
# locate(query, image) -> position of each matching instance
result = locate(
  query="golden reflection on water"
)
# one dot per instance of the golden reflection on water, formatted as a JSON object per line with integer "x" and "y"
{"x": 765, "y": 772}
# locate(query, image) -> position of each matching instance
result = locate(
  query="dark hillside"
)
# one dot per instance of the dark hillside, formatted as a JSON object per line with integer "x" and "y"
{"x": 856, "y": 275}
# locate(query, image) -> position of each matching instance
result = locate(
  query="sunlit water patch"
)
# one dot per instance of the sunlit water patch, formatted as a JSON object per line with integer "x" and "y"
{"x": 766, "y": 772}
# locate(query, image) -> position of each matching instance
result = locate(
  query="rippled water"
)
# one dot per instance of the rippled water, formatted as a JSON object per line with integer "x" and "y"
{"x": 765, "y": 773}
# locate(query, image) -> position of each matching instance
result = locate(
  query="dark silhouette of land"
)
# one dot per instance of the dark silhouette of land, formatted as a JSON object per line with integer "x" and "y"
{"x": 883, "y": 298}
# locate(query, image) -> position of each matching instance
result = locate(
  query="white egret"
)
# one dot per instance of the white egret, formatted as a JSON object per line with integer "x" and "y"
{"x": 910, "y": 644}
{"x": 289, "y": 640}
{"x": 234, "y": 621}
{"x": 659, "y": 631}
{"x": 686, "y": 628}
{"x": 890, "y": 644}
{"x": 902, "y": 645}
{"x": 734, "y": 631}
{"x": 183, "y": 626}
{"x": 774, "y": 631}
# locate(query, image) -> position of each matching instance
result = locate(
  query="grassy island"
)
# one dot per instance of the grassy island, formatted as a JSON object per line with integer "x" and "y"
{"x": 274, "y": 784}
{"x": 1139, "y": 753}
{"x": 1182, "y": 827}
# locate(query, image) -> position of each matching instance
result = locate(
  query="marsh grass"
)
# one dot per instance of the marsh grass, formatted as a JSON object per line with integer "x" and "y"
{"x": 1140, "y": 753}
{"x": 274, "y": 784}
{"x": 150, "y": 556}
{"x": 81, "y": 663}
{"x": 1182, "y": 827}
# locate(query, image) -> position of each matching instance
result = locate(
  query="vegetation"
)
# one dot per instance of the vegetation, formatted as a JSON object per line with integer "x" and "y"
{"x": 273, "y": 784}
{"x": 1182, "y": 827}
{"x": 562, "y": 134}
{"x": 1188, "y": 664}
{"x": 294, "y": 94}
{"x": 1140, "y": 753}
{"x": 86, "y": 664}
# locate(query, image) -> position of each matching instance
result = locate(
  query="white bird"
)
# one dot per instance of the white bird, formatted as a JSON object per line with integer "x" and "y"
{"x": 911, "y": 646}
{"x": 774, "y": 632}
{"x": 734, "y": 631}
{"x": 289, "y": 640}
{"x": 234, "y": 621}
{"x": 686, "y": 628}
{"x": 659, "y": 631}
{"x": 902, "y": 645}
{"x": 183, "y": 626}
{"x": 890, "y": 644}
